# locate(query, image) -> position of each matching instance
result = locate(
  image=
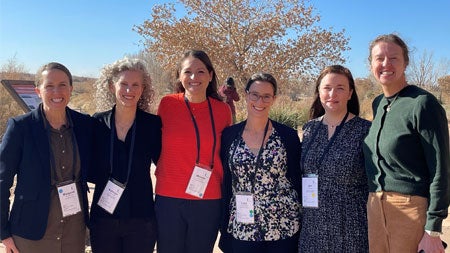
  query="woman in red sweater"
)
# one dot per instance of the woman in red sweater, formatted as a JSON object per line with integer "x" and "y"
{"x": 189, "y": 171}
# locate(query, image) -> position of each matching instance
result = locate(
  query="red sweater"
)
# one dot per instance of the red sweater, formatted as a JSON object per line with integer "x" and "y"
{"x": 179, "y": 145}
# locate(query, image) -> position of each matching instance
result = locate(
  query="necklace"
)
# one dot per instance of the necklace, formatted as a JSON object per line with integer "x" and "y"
{"x": 328, "y": 123}
{"x": 388, "y": 108}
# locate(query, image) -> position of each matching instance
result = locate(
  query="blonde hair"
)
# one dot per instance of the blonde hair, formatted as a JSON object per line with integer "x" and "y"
{"x": 105, "y": 99}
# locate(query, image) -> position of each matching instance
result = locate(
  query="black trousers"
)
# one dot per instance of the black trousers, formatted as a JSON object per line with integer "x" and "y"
{"x": 186, "y": 226}
{"x": 123, "y": 235}
{"x": 288, "y": 245}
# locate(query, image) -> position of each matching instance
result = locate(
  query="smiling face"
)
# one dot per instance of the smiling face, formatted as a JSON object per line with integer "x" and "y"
{"x": 334, "y": 93}
{"x": 128, "y": 88}
{"x": 195, "y": 78}
{"x": 388, "y": 65}
{"x": 55, "y": 90}
{"x": 258, "y": 93}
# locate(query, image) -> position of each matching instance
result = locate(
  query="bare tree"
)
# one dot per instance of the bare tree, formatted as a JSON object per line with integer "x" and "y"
{"x": 12, "y": 69}
{"x": 425, "y": 72}
{"x": 245, "y": 36}
{"x": 15, "y": 70}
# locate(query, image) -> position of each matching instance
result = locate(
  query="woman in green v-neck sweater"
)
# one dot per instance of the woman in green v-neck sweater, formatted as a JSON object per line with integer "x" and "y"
{"x": 407, "y": 158}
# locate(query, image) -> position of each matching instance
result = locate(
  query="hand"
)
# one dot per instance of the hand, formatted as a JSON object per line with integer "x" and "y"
{"x": 430, "y": 244}
{"x": 10, "y": 245}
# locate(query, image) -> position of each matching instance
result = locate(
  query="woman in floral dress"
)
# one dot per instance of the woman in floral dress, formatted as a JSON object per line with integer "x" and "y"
{"x": 261, "y": 160}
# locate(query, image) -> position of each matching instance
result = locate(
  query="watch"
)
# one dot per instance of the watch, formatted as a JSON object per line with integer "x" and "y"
{"x": 433, "y": 233}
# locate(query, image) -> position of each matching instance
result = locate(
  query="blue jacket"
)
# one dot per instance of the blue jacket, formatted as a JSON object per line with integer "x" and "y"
{"x": 25, "y": 152}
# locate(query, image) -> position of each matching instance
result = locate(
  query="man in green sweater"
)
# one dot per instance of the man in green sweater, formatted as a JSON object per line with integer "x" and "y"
{"x": 407, "y": 158}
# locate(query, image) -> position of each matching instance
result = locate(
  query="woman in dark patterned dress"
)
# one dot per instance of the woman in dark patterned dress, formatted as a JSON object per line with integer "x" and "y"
{"x": 261, "y": 161}
{"x": 334, "y": 184}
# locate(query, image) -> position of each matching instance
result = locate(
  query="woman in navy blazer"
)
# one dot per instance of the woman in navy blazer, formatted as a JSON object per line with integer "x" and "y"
{"x": 37, "y": 221}
{"x": 128, "y": 139}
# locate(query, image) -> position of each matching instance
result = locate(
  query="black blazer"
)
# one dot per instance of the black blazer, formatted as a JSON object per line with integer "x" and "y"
{"x": 293, "y": 149}
{"x": 138, "y": 192}
{"x": 25, "y": 152}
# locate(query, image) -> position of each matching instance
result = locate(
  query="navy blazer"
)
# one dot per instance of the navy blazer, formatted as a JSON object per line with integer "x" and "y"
{"x": 147, "y": 148}
{"x": 25, "y": 152}
{"x": 293, "y": 149}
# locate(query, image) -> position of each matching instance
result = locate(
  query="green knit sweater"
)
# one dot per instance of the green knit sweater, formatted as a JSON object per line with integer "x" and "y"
{"x": 407, "y": 150}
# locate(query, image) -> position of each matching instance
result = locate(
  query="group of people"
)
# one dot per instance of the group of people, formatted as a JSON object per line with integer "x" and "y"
{"x": 350, "y": 185}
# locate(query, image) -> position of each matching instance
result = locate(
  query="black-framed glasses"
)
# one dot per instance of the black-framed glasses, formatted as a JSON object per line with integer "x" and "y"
{"x": 254, "y": 96}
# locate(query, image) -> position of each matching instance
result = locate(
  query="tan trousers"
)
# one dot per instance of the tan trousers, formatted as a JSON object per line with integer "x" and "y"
{"x": 395, "y": 221}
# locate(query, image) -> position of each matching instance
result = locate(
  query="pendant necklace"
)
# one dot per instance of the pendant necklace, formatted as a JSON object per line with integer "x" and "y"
{"x": 388, "y": 108}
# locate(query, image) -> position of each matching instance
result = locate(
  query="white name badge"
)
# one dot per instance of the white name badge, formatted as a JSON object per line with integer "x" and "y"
{"x": 111, "y": 195}
{"x": 245, "y": 211}
{"x": 68, "y": 198}
{"x": 199, "y": 180}
{"x": 310, "y": 193}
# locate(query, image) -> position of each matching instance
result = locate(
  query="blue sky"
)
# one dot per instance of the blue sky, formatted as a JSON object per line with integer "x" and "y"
{"x": 87, "y": 34}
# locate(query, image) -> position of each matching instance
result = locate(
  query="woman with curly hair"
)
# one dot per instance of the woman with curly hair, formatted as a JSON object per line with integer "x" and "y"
{"x": 128, "y": 139}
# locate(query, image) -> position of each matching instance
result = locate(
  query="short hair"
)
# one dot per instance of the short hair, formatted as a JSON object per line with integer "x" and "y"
{"x": 105, "y": 99}
{"x": 211, "y": 90}
{"x": 317, "y": 109}
{"x": 49, "y": 66}
{"x": 264, "y": 77}
{"x": 390, "y": 38}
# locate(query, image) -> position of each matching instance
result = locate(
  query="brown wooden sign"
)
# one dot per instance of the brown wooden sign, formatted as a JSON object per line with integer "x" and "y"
{"x": 23, "y": 92}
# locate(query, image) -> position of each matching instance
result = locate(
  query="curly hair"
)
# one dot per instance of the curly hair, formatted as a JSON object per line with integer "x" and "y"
{"x": 105, "y": 99}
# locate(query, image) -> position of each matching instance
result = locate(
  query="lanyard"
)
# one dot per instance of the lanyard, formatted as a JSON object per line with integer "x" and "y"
{"x": 316, "y": 130}
{"x": 258, "y": 158}
{"x": 52, "y": 155}
{"x": 197, "y": 133}
{"x": 111, "y": 149}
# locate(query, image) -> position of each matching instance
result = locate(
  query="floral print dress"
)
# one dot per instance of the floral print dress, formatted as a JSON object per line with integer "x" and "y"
{"x": 276, "y": 203}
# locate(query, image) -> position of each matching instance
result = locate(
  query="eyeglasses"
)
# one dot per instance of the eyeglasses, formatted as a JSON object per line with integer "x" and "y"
{"x": 254, "y": 96}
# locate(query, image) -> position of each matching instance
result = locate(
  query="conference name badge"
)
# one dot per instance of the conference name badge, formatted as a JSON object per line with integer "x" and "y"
{"x": 111, "y": 195}
{"x": 199, "y": 180}
{"x": 310, "y": 192}
{"x": 68, "y": 198}
{"x": 245, "y": 211}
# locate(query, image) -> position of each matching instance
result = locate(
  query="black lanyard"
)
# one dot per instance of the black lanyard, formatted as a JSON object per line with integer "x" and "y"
{"x": 197, "y": 133}
{"x": 258, "y": 158}
{"x": 111, "y": 149}
{"x": 52, "y": 155}
{"x": 330, "y": 142}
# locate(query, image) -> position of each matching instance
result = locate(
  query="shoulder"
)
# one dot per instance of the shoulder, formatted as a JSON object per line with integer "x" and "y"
{"x": 377, "y": 99}
{"x": 422, "y": 100}
{"x": 25, "y": 117}
{"x": 218, "y": 104}
{"x": 148, "y": 118}
{"x": 230, "y": 132}
{"x": 171, "y": 98}
{"x": 311, "y": 123}
{"x": 170, "y": 103}
{"x": 360, "y": 123}
{"x": 79, "y": 115}
{"x": 102, "y": 115}
{"x": 286, "y": 132}
{"x": 424, "y": 96}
